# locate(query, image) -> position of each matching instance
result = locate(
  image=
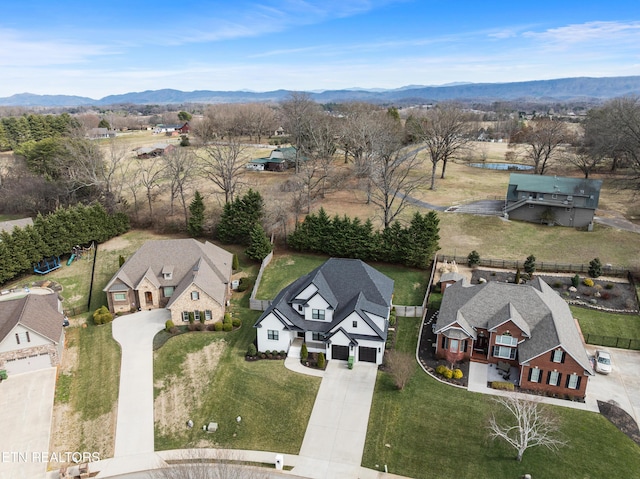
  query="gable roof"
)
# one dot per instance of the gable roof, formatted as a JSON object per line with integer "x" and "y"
{"x": 535, "y": 308}
{"x": 348, "y": 285}
{"x": 587, "y": 189}
{"x": 190, "y": 261}
{"x": 36, "y": 312}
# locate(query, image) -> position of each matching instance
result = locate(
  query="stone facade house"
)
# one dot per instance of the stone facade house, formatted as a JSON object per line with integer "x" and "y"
{"x": 31, "y": 333}
{"x": 552, "y": 199}
{"x": 183, "y": 275}
{"x": 340, "y": 309}
{"x": 530, "y": 327}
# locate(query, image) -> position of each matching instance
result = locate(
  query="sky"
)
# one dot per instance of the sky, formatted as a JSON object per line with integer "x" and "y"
{"x": 95, "y": 49}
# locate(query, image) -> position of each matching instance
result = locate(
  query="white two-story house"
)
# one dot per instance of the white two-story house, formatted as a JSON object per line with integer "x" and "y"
{"x": 341, "y": 309}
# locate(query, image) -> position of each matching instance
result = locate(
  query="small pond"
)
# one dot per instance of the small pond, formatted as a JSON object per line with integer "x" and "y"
{"x": 502, "y": 166}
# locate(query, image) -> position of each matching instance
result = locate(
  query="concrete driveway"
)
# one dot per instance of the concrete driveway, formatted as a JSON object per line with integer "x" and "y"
{"x": 134, "y": 428}
{"x": 622, "y": 385}
{"x": 26, "y": 402}
{"x": 334, "y": 440}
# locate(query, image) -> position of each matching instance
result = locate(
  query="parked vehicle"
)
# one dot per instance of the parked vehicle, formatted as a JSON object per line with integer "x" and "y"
{"x": 603, "y": 362}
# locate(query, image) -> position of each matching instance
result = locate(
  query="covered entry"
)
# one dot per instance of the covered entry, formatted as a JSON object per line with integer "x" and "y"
{"x": 367, "y": 355}
{"x": 340, "y": 352}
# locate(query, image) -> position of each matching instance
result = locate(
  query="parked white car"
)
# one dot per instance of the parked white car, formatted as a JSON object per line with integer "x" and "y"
{"x": 603, "y": 362}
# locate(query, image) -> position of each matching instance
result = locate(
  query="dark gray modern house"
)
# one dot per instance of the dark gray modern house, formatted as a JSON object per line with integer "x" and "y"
{"x": 552, "y": 199}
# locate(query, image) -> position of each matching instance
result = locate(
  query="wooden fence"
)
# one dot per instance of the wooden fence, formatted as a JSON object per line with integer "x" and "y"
{"x": 549, "y": 266}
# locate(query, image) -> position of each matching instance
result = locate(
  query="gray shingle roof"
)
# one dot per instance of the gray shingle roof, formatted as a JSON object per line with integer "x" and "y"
{"x": 535, "y": 308}
{"x": 348, "y": 285}
{"x": 38, "y": 313}
{"x": 190, "y": 261}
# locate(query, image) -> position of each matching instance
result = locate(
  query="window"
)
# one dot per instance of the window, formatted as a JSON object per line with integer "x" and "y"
{"x": 120, "y": 296}
{"x": 445, "y": 342}
{"x": 196, "y": 315}
{"x": 168, "y": 291}
{"x": 300, "y": 308}
{"x": 207, "y": 315}
{"x": 573, "y": 381}
{"x": 504, "y": 352}
{"x": 354, "y": 324}
{"x": 23, "y": 337}
{"x": 317, "y": 336}
{"x": 195, "y": 295}
{"x": 557, "y": 356}
{"x": 535, "y": 374}
{"x": 185, "y": 316}
{"x": 273, "y": 334}
{"x": 506, "y": 340}
{"x": 531, "y": 205}
{"x": 317, "y": 314}
{"x": 554, "y": 378}
{"x": 453, "y": 345}
{"x": 167, "y": 275}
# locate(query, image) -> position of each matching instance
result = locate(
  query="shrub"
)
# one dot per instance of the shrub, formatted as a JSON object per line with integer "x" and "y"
{"x": 304, "y": 352}
{"x": 283, "y": 353}
{"x": 517, "y": 280}
{"x": 440, "y": 369}
{"x": 321, "y": 361}
{"x": 168, "y": 325}
{"x": 226, "y": 318}
{"x": 448, "y": 373}
{"x": 192, "y": 317}
{"x": 226, "y": 327}
{"x": 606, "y": 295}
{"x": 575, "y": 281}
{"x": 457, "y": 374}
{"x": 557, "y": 284}
{"x": 202, "y": 317}
{"x": 217, "y": 326}
{"x": 234, "y": 263}
{"x": 244, "y": 284}
{"x": 173, "y": 330}
{"x": 236, "y": 322}
{"x": 263, "y": 356}
{"x": 608, "y": 286}
{"x": 201, "y": 327}
{"x": 530, "y": 264}
{"x": 102, "y": 315}
{"x": 595, "y": 268}
{"x": 473, "y": 259}
{"x": 121, "y": 260}
{"x": 588, "y": 282}
{"x": 503, "y": 385}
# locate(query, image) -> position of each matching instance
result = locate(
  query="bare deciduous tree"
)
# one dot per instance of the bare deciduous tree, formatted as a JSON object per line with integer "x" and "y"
{"x": 445, "y": 132}
{"x": 524, "y": 423}
{"x": 114, "y": 173}
{"x": 149, "y": 174}
{"x": 401, "y": 366}
{"x": 180, "y": 168}
{"x": 541, "y": 141}
{"x": 224, "y": 165}
{"x": 297, "y": 112}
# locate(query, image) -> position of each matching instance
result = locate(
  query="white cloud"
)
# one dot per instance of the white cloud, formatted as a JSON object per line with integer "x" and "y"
{"x": 607, "y": 32}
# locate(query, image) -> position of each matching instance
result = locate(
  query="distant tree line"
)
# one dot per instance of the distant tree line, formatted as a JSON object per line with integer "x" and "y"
{"x": 16, "y": 130}
{"x": 343, "y": 237}
{"x": 55, "y": 234}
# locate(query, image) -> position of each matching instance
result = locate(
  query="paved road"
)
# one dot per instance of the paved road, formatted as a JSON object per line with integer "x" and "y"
{"x": 135, "y": 332}
{"x": 26, "y": 402}
{"x": 333, "y": 443}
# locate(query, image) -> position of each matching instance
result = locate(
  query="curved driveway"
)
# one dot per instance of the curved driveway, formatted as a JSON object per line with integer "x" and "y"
{"x": 135, "y": 332}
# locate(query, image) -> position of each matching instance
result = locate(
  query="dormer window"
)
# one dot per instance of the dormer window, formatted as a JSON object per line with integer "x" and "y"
{"x": 167, "y": 276}
{"x": 317, "y": 314}
{"x": 167, "y": 272}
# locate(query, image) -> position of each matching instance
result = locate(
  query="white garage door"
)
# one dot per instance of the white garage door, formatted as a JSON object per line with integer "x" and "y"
{"x": 27, "y": 364}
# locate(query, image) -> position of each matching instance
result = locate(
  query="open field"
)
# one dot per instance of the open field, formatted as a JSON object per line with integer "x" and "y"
{"x": 432, "y": 430}
{"x": 409, "y": 289}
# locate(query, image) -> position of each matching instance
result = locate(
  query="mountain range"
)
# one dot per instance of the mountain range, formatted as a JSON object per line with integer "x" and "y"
{"x": 563, "y": 89}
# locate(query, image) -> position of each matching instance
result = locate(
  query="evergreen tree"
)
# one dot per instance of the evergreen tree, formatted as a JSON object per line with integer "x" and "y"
{"x": 260, "y": 245}
{"x": 422, "y": 239}
{"x": 595, "y": 268}
{"x": 473, "y": 259}
{"x": 195, "y": 224}
{"x": 530, "y": 265}
{"x": 104, "y": 124}
{"x": 239, "y": 217}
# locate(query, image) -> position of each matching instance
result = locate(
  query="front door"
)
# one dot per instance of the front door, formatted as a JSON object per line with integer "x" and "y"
{"x": 482, "y": 344}
{"x": 148, "y": 297}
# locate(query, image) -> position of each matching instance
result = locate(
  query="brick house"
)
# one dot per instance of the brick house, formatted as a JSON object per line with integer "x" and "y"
{"x": 31, "y": 332}
{"x": 182, "y": 275}
{"x": 552, "y": 199}
{"x": 527, "y": 326}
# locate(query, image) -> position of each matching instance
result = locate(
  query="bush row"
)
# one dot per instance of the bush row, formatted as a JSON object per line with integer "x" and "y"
{"x": 449, "y": 373}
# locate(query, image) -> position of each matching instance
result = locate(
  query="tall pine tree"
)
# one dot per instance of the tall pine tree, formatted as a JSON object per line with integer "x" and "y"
{"x": 260, "y": 245}
{"x": 195, "y": 225}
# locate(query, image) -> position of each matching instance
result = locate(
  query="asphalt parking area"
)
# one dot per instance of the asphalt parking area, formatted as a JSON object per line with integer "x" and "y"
{"x": 27, "y": 404}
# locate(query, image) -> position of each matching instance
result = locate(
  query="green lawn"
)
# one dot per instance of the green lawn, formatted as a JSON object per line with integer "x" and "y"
{"x": 274, "y": 403}
{"x": 607, "y": 324}
{"x": 410, "y": 283}
{"x": 438, "y": 431}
